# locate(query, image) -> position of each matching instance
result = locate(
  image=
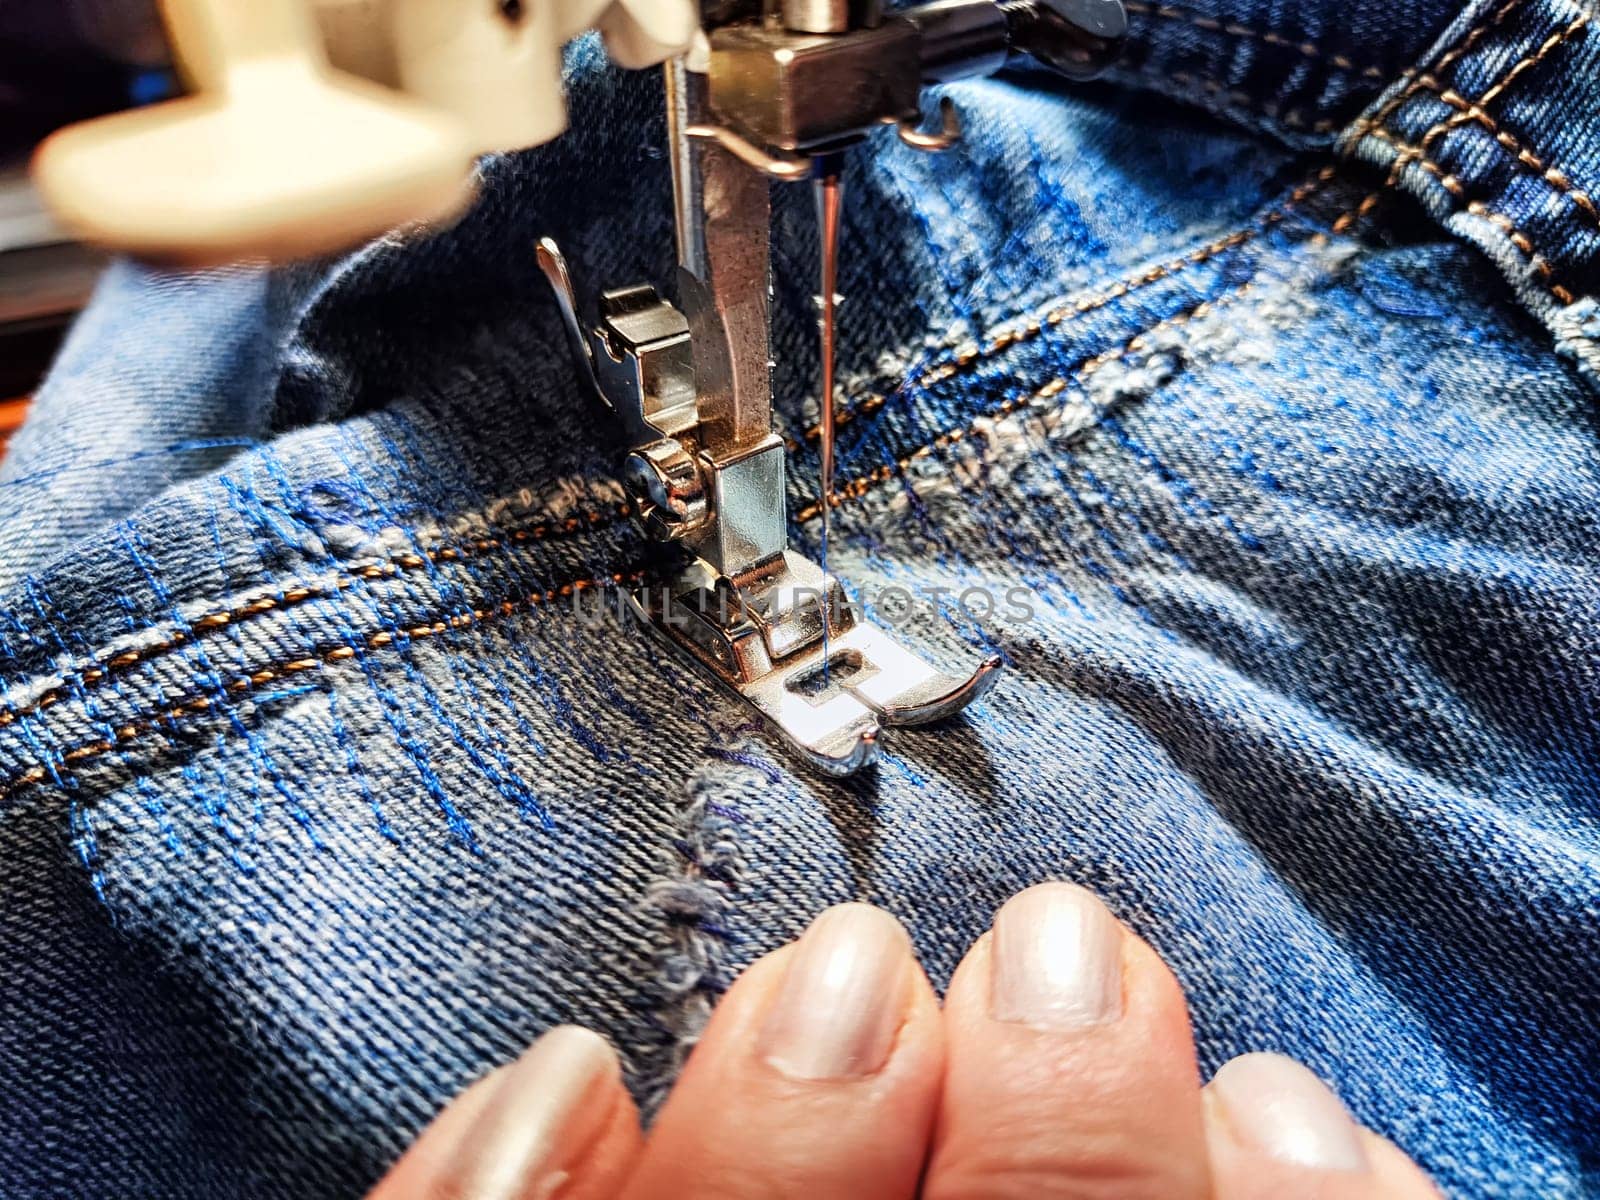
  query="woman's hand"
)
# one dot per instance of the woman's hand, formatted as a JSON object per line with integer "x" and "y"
{"x": 1060, "y": 1065}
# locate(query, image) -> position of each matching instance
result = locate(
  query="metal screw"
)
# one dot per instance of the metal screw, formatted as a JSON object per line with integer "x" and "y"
{"x": 665, "y": 477}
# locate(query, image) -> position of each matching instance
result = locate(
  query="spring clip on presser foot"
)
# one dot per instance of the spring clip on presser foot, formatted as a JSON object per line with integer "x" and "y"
{"x": 777, "y": 92}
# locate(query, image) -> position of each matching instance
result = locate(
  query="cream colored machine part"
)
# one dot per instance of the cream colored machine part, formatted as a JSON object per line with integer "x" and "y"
{"x": 309, "y": 130}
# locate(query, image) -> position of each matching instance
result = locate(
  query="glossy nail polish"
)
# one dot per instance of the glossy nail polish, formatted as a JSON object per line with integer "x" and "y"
{"x": 546, "y": 1102}
{"x": 1274, "y": 1105}
{"x": 843, "y": 998}
{"x": 1057, "y": 960}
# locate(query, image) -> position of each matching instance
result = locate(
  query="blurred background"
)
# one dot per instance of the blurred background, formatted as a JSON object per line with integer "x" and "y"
{"x": 61, "y": 61}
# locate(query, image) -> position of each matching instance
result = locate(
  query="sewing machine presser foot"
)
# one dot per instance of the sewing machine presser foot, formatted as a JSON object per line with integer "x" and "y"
{"x": 763, "y": 619}
{"x": 787, "y": 639}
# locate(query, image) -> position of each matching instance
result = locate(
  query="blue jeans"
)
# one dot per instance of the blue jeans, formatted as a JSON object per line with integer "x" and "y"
{"x": 1254, "y": 388}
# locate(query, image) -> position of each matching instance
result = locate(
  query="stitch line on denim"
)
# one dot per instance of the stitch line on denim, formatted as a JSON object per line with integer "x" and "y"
{"x": 1555, "y": 176}
{"x": 103, "y": 668}
{"x": 1452, "y": 184}
{"x": 860, "y": 486}
{"x": 1347, "y": 221}
{"x": 1495, "y": 90}
{"x": 384, "y": 637}
{"x": 1469, "y": 111}
{"x": 309, "y": 660}
{"x": 1194, "y": 89}
{"x": 1468, "y": 40}
{"x": 299, "y": 593}
{"x": 969, "y": 356}
{"x": 1234, "y": 29}
{"x": 1407, "y": 153}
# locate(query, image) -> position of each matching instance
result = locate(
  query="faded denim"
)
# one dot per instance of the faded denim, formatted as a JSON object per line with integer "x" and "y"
{"x": 1267, "y": 369}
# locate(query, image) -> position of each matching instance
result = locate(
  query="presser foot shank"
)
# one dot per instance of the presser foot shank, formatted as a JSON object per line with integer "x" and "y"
{"x": 784, "y": 637}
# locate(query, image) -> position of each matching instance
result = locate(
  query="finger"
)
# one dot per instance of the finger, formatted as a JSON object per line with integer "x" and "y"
{"x": 1070, "y": 1070}
{"x": 428, "y": 1155}
{"x": 817, "y": 1076}
{"x": 557, "y": 1118}
{"x": 1274, "y": 1129}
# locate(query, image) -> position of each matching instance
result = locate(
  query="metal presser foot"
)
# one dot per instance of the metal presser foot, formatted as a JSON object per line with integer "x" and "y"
{"x": 779, "y": 632}
{"x": 778, "y": 91}
{"x": 829, "y": 697}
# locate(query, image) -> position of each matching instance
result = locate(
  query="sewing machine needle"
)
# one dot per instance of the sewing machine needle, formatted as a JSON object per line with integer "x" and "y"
{"x": 829, "y": 191}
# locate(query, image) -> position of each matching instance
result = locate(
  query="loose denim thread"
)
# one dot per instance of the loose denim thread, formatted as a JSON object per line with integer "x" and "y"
{"x": 1233, "y": 28}
{"x": 106, "y": 666}
{"x": 858, "y": 487}
{"x": 696, "y": 902}
{"x": 313, "y": 661}
{"x": 176, "y": 448}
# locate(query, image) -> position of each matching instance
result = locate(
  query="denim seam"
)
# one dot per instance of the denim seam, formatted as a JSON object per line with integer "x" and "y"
{"x": 858, "y": 487}
{"x": 306, "y": 660}
{"x": 1419, "y": 78}
{"x": 232, "y": 618}
{"x": 316, "y": 659}
{"x": 1498, "y": 88}
{"x": 1541, "y": 265}
{"x": 861, "y": 485}
{"x": 1463, "y": 112}
{"x": 1469, "y": 110}
{"x": 103, "y": 668}
{"x": 972, "y": 355}
{"x": 1307, "y": 49}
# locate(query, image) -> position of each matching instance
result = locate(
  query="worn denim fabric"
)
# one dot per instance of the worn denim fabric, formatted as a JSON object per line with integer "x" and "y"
{"x": 329, "y": 777}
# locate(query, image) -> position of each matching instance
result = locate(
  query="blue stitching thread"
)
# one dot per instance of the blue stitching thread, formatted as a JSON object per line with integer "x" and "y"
{"x": 211, "y": 679}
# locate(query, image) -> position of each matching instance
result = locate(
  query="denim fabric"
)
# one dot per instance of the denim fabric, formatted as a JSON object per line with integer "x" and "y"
{"x": 329, "y": 776}
{"x": 1496, "y": 135}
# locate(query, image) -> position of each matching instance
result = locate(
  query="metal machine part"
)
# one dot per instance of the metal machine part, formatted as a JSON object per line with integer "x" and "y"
{"x": 778, "y": 92}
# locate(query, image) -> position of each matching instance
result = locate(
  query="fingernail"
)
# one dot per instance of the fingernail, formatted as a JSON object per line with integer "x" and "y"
{"x": 843, "y": 998}
{"x": 1274, "y": 1105}
{"x": 1057, "y": 960}
{"x": 548, "y": 1101}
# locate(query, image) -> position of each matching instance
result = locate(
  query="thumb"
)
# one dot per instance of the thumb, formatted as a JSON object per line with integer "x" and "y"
{"x": 557, "y": 1118}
